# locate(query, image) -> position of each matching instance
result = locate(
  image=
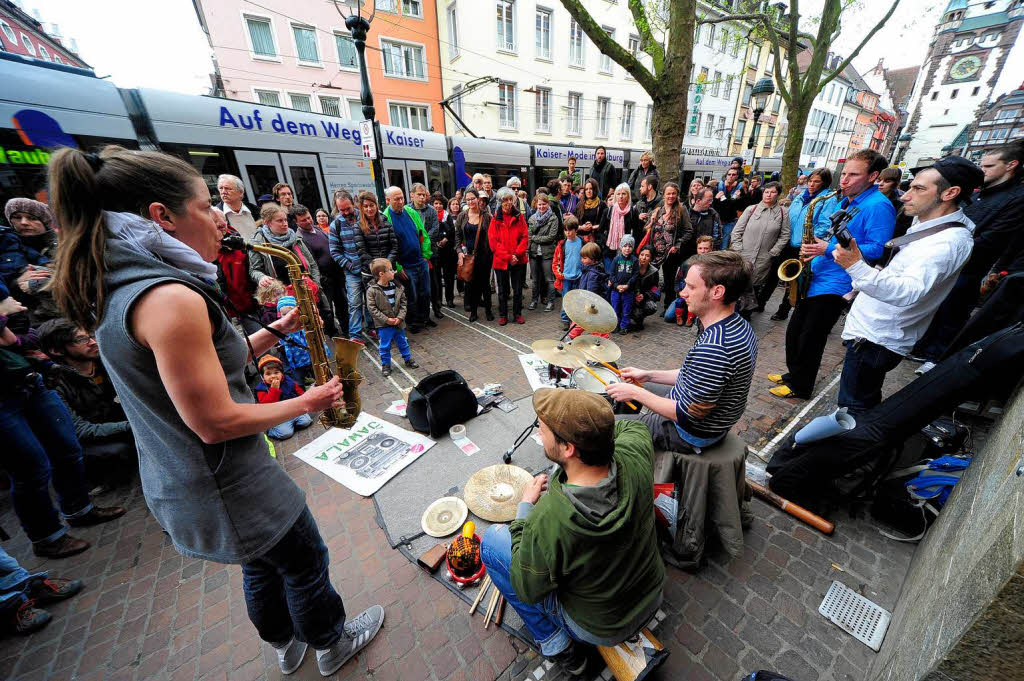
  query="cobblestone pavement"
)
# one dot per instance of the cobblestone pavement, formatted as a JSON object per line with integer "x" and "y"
{"x": 149, "y": 613}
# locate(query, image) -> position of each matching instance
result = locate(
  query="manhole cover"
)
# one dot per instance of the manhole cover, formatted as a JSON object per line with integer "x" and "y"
{"x": 856, "y": 615}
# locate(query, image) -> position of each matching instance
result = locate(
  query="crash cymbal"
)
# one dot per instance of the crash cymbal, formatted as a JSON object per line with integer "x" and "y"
{"x": 597, "y": 349}
{"x": 493, "y": 493}
{"x": 444, "y": 516}
{"x": 559, "y": 353}
{"x": 589, "y": 310}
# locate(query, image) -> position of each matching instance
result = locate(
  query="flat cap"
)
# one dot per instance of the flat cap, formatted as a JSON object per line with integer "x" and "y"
{"x": 958, "y": 172}
{"x": 577, "y": 416}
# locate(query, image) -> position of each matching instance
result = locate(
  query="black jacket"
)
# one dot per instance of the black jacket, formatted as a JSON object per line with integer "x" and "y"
{"x": 632, "y": 226}
{"x": 706, "y": 224}
{"x": 445, "y": 230}
{"x": 379, "y": 244}
{"x": 639, "y": 175}
{"x": 998, "y": 216}
{"x": 95, "y": 413}
{"x": 605, "y": 176}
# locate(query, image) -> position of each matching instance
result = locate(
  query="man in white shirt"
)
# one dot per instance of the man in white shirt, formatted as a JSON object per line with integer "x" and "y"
{"x": 894, "y": 305}
{"x": 238, "y": 215}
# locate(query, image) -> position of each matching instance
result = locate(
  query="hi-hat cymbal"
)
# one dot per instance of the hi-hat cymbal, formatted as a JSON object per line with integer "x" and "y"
{"x": 597, "y": 349}
{"x": 444, "y": 516}
{"x": 589, "y": 310}
{"x": 493, "y": 493}
{"x": 559, "y": 353}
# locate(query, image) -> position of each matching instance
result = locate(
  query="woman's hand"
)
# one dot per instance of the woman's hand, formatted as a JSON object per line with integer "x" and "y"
{"x": 514, "y": 260}
{"x": 7, "y": 337}
{"x": 673, "y": 250}
{"x": 324, "y": 397}
{"x": 462, "y": 258}
{"x": 10, "y": 306}
{"x": 265, "y": 280}
{"x": 289, "y": 323}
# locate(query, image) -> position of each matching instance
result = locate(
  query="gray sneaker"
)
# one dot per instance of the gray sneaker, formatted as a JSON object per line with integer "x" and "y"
{"x": 290, "y": 655}
{"x": 358, "y": 632}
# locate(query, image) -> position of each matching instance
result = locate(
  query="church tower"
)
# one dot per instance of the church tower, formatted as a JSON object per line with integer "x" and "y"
{"x": 971, "y": 44}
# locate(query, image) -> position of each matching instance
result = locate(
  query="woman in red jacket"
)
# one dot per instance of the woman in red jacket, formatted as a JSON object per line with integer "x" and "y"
{"x": 508, "y": 241}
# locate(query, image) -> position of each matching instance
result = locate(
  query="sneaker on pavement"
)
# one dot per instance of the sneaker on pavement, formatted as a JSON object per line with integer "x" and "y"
{"x": 63, "y": 547}
{"x": 572, "y": 660}
{"x": 924, "y": 368}
{"x": 98, "y": 515}
{"x": 30, "y": 619}
{"x": 411, "y": 363}
{"x": 532, "y": 305}
{"x": 502, "y": 321}
{"x": 549, "y": 306}
{"x": 519, "y": 319}
{"x": 385, "y": 370}
{"x": 431, "y": 324}
{"x": 358, "y": 632}
{"x": 290, "y": 655}
{"x": 52, "y": 589}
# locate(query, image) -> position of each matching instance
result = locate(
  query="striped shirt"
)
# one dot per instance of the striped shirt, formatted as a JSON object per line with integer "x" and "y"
{"x": 391, "y": 291}
{"x": 717, "y": 369}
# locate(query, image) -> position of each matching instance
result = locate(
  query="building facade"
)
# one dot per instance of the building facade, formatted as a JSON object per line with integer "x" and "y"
{"x": 834, "y": 111}
{"x": 301, "y": 56}
{"x": 770, "y": 133}
{"x": 1001, "y": 123}
{"x": 967, "y": 55}
{"x": 23, "y": 34}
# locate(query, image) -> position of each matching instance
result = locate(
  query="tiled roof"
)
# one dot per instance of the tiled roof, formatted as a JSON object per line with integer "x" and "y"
{"x": 901, "y": 82}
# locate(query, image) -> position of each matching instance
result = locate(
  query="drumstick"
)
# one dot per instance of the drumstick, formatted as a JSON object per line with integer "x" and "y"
{"x": 480, "y": 594}
{"x": 605, "y": 383}
{"x": 798, "y": 512}
{"x": 491, "y": 605}
{"x": 500, "y": 611}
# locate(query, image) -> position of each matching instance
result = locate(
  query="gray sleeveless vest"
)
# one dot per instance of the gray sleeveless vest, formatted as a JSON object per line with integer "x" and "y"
{"x": 228, "y": 502}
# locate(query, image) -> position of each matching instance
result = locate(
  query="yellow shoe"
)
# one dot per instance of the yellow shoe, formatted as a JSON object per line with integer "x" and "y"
{"x": 775, "y": 378}
{"x": 782, "y": 391}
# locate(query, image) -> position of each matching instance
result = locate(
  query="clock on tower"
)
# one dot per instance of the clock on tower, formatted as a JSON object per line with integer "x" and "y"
{"x": 965, "y": 67}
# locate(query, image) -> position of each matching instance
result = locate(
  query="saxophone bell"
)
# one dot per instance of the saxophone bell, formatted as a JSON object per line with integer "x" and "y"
{"x": 790, "y": 269}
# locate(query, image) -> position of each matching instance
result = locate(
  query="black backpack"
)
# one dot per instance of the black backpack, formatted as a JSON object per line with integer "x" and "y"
{"x": 440, "y": 401}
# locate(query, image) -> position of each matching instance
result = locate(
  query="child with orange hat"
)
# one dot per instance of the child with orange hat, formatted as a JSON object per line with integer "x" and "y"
{"x": 277, "y": 386}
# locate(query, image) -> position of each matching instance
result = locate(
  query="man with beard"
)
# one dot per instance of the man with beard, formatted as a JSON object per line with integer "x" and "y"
{"x": 704, "y": 220}
{"x": 602, "y": 171}
{"x": 562, "y": 563}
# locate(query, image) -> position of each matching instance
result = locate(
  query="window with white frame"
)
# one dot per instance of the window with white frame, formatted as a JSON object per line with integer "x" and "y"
{"x": 305, "y": 45}
{"x": 606, "y": 61}
{"x": 506, "y": 25}
{"x": 770, "y": 63}
{"x": 507, "y": 106}
{"x": 575, "y": 43}
{"x": 355, "y": 110}
{"x": 347, "y": 57}
{"x": 709, "y": 35}
{"x": 57, "y": 59}
{"x": 770, "y": 137}
{"x": 402, "y": 60}
{"x": 44, "y": 53}
{"x": 634, "y": 45}
{"x": 300, "y": 102}
{"x": 386, "y": 5}
{"x": 648, "y": 123}
{"x": 727, "y": 93}
{"x": 720, "y": 131}
{"x": 268, "y": 97}
{"x": 9, "y": 32}
{"x": 453, "y": 31}
{"x": 261, "y": 37}
{"x": 723, "y": 40}
{"x": 716, "y": 84}
{"x": 703, "y": 77}
{"x": 456, "y": 99}
{"x": 542, "y": 109}
{"x": 603, "y": 104}
{"x": 409, "y": 116}
{"x": 573, "y": 119}
{"x": 542, "y": 40}
{"x": 709, "y": 125}
{"x": 626, "y": 130}
{"x": 412, "y": 8}
{"x": 330, "y": 105}
{"x": 735, "y": 51}
{"x": 28, "y": 44}
{"x": 777, "y": 104}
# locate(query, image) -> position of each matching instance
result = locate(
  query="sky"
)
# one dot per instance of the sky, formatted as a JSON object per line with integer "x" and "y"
{"x": 158, "y": 43}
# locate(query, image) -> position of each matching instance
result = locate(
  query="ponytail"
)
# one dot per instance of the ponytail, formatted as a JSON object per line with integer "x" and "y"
{"x": 82, "y": 186}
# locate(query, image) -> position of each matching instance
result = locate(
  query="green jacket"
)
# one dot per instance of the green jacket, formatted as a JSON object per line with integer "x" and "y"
{"x": 414, "y": 214}
{"x": 606, "y": 573}
{"x": 576, "y": 178}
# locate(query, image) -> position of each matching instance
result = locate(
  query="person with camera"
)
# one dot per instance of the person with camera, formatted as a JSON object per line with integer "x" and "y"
{"x": 895, "y": 305}
{"x": 827, "y": 296}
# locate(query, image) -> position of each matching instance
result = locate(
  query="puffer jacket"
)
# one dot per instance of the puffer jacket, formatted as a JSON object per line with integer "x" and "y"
{"x": 379, "y": 243}
{"x": 507, "y": 236}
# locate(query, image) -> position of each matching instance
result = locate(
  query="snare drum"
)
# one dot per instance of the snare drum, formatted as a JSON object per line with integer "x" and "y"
{"x": 582, "y": 379}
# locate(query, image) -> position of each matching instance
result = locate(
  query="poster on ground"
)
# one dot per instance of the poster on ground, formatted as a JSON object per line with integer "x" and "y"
{"x": 536, "y": 371}
{"x": 365, "y": 456}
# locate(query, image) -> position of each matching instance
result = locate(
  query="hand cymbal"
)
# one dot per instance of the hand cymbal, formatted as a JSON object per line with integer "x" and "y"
{"x": 590, "y": 311}
{"x": 559, "y": 353}
{"x": 597, "y": 349}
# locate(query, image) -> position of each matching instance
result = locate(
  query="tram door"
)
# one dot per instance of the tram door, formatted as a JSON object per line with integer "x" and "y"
{"x": 260, "y": 171}
{"x": 404, "y": 174}
{"x": 303, "y": 174}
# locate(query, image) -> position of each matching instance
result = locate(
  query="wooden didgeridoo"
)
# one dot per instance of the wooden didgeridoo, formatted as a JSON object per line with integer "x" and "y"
{"x": 798, "y": 512}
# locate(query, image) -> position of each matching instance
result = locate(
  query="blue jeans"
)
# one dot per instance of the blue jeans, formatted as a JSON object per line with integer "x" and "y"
{"x": 864, "y": 370}
{"x": 283, "y": 431}
{"x": 288, "y": 589}
{"x": 670, "y": 313}
{"x": 14, "y": 581}
{"x": 546, "y": 620}
{"x": 387, "y": 334}
{"x": 39, "y": 445}
{"x": 726, "y": 231}
{"x": 358, "y": 314}
{"x": 569, "y": 285}
{"x": 419, "y": 292}
{"x": 623, "y": 304}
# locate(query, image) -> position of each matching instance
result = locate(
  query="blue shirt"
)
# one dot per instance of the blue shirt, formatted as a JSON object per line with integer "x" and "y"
{"x": 572, "y": 265}
{"x": 409, "y": 251}
{"x": 797, "y": 215}
{"x": 871, "y": 227}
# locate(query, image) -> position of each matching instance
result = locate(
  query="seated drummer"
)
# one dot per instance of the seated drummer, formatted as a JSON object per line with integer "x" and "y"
{"x": 709, "y": 393}
{"x": 581, "y": 562}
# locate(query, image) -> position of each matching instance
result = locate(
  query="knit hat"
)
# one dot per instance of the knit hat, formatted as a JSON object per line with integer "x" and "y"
{"x": 627, "y": 240}
{"x": 585, "y": 419}
{"x": 286, "y": 301}
{"x": 269, "y": 359}
{"x": 40, "y": 211}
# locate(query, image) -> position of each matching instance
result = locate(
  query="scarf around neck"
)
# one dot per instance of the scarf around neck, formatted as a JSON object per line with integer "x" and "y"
{"x": 287, "y": 240}
{"x": 146, "y": 237}
{"x": 591, "y": 204}
{"x": 618, "y": 225}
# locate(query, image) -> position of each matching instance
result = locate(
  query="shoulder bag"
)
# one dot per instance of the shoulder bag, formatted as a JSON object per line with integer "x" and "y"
{"x": 465, "y": 270}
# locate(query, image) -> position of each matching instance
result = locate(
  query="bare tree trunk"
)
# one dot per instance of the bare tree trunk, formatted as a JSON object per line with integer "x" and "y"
{"x": 669, "y": 125}
{"x": 796, "y": 116}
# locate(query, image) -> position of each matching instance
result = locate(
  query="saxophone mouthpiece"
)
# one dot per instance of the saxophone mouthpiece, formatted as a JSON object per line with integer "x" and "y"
{"x": 234, "y": 242}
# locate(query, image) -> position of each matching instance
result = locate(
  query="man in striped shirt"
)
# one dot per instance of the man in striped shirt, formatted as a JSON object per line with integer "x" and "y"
{"x": 695, "y": 406}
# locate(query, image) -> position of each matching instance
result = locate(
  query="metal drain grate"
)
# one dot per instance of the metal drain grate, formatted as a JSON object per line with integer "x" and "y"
{"x": 856, "y": 615}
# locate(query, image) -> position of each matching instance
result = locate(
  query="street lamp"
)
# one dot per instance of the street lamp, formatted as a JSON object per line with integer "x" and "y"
{"x": 904, "y": 143}
{"x": 358, "y": 26}
{"x": 762, "y": 92}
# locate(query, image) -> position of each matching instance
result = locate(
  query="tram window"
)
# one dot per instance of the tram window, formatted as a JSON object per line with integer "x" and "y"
{"x": 438, "y": 180}
{"x": 396, "y": 178}
{"x": 306, "y": 191}
{"x": 418, "y": 177}
{"x": 262, "y": 179}
{"x": 210, "y": 164}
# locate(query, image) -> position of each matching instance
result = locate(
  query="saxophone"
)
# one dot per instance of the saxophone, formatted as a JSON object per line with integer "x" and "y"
{"x": 346, "y": 351}
{"x": 793, "y": 271}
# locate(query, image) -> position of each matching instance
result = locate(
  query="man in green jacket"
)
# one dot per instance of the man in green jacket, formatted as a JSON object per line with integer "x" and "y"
{"x": 414, "y": 254}
{"x": 581, "y": 563}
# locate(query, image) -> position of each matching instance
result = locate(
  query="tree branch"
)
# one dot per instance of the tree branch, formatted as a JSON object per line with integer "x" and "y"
{"x": 617, "y": 52}
{"x": 648, "y": 44}
{"x": 846, "y": 62}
